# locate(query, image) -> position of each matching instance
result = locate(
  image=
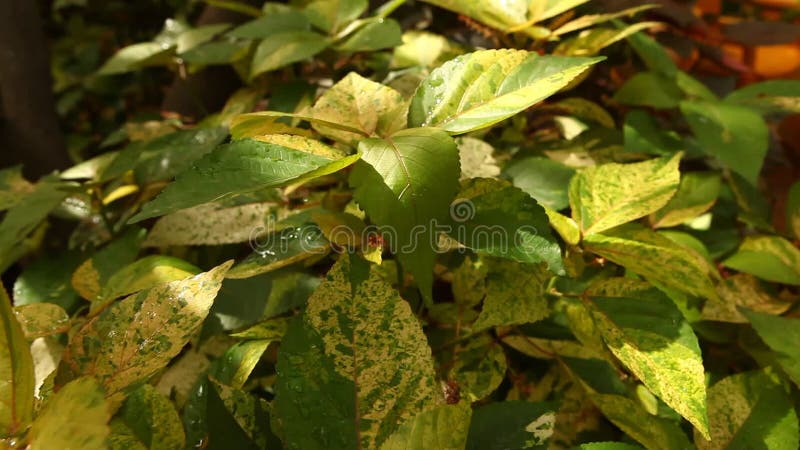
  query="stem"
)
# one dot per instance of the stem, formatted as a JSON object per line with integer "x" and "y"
{"x": 388, "y": 8}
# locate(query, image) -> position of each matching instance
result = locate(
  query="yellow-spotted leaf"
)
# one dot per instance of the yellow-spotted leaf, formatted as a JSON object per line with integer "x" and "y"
{"x": 476, "y": 159}
{"x": 742, "y": 290}
{"x": 443, "y": 428}
{"x": 147, "y": 420}
{"x": 604, "y": 196}
{"x": 771, "y": 258}
{"x": 514, "y": 294}
{"x": 355, "y": 366}
{"x": 649, "y": 335}
{"x": 90, "y": 277}
{"x": 76, "y": 417}
{"x": 479, "y": 89}
{"x": 750, "y": 410}
{"x": 359, "y": 103}
{"x": 134, "y": 338}
{"x": 656, "y": 433}
{"x": 657, "y": 258}
{"x": 16, "y": 373}
{"x": 41, "y": 319}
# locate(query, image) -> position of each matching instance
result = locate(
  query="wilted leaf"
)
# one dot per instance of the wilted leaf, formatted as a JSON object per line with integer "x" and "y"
{"x": 769, "y": 257}
{"x": 362, "y": 104}
{"x": 16, "y": 373}
{"x": 750, "y": 410}
{"x": 354, "y": 367}
{"x": 147, "y": 420}
{"x": 75, "y": 417}
{"x": 649, "y": 335}
{"x": 41, "y": 319}
{"x": 479, "y": 89}
{"x": 405, "y": 183}
{"x": 602, "y": 197}
{"x": 134, "y": 338}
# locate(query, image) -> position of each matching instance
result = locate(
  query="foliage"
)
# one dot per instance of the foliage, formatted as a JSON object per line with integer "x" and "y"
{"x": 522, "y": 224}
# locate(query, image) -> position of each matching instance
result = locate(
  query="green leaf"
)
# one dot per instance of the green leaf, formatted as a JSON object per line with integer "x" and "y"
{"x": 511, "y": 424}
{"x": 696, "y": 194}
{"x": 644, "y": 135}
{"x": 602, "y": 197}
{"x": 772, "y": 96}
{"x": 238, "y": 419}
{"x": 406, "y": 183}
{"x": 734, "y": 134}
{"x": 135, "y": 337}
{"x": 26, "y": 215}
{"x": 782, "y": 335}
{"x": 607, "y": 446}
{"x": 143, "y": 274}
{"x": 793, "y": 210}
{"x": 495, "y": 13}
{"x": 41, "y": 319}
{"x": 281, "y": 49}
{"x": 657, "y": 258}
{"x": 210, "y": 224}
{"x": 649, "y": 335}
{"x": 497, "y": 219}
{"x": 361, "y": 104}
{"x": 216, "y": 53}
{"x": 280, "y": 249}
{"x": 543, "y": 179}
{"x": 424, "y": 49}
{"x": 195, "y": 36}
{"x": 653, "y": 54}
{"x": 330, "y": 16}
{"x": 13, "y": 187}
{"x": 479, "y": 89}
{"x": 443, "y": 428}
{"x": 750, "y": 410}
{"x": 74, "y": 417}
{"x": 651, "y": 431}
{"x": 16, "y": 373}
{"x": 92, "y": 275}
{"x": 48, "y": 280}
{"x": 239, "y": 167}
{"x": 135, "y": 57}
{"x": 649, "y": 89}
{"x": 147, "y": 420}
{"x": 271, "y": 24}
{"x": 374, "y": 35}
{"x": 515, "y": 294}
{"x": 355, "y": 365}
{"x": 771, "y": 258}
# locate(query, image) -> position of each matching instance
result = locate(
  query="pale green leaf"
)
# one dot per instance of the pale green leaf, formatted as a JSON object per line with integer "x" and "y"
{"x": 362, "y": 104}
{"x": 235, "y": 365}
{"x": 649, "y": 89}
{"x": 500, "y": 14}
{"x": 602, "y": 197}
{"x": 564, "y": 226}
{"x": 515, "y": 294}
{"x": 331, "y": 15}
{"x": 147, "y": 420}
{"x": 195, "y": 36}
{"x": 696, "y": 194}
{"x": 476, "y": 159}
{"x": 543, "y": 179}
{"x": 134, "y": 338}
{"x": 16, "y": 373}
{"x": 588, "y": 20}
{"x": 270, "y": 24}
{"x": 443, "y": 428}
{"x": 354, "y": 367}
{"x": 135, "y": 57}
{"x": 772, "y": 96}
{"x": 222, "y": 52}
{"x": 653, "y": 432}
{"x": 771, "y": 258}
{"x": 239, "y": 167}
{"x": 41, "y": 319}
{"x": 210, "y": 224}
{"x": 750, "y": 410}
{"x": 655, "y": 257}
{"x": 76, "y": 417}
{"x": 375, "y": 34}
{"x": 479, "y": 89}
{"x": 649, "y": 335}
{"x": 270, "y": 330}
{"x": 265, "y": 122}
{"x": 736, "y": 135}
{"x": 421, "y": 48}
{"x": 782, "y": 335}
{"x": 407, "y": 182}
{"x": 281, "y": 49}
